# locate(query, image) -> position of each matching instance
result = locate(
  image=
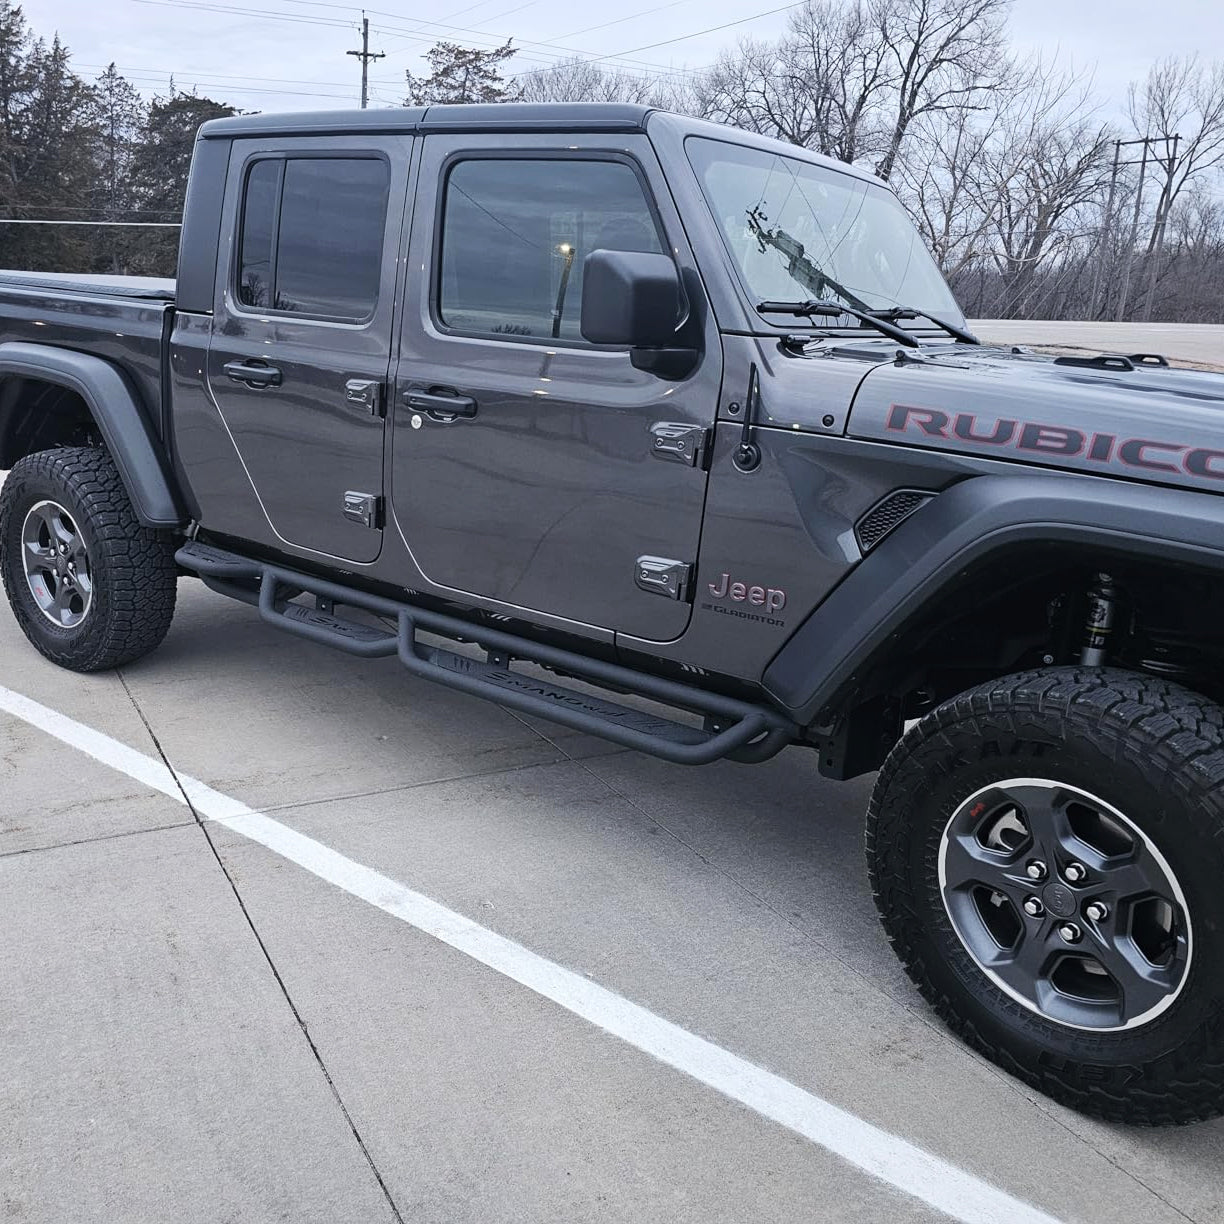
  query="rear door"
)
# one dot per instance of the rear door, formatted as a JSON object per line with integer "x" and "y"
{"x": 528, "y": 468}
{"x": 303, "y": 323}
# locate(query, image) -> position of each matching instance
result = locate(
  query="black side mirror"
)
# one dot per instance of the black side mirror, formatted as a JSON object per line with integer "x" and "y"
{"x": 633, "y": 299}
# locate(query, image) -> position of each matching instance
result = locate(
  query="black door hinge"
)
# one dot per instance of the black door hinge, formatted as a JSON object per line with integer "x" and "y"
{"x": 366, "y": 393}
{"x": 364, "y": 508}
{"x": 679, "y": 443}
{"x": 663, "y": 576}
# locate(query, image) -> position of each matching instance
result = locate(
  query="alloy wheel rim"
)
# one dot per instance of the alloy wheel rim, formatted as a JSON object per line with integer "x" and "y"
{"x": 1065, "y": 904}
{"x": 56, "y": 564}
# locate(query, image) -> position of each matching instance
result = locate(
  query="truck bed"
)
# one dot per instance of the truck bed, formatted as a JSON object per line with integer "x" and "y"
{"x": 158, "y": 288}
{"x": 120, "y": 318}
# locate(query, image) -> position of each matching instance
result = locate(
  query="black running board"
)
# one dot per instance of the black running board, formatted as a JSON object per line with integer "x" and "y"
{"x": 733, "y": 729}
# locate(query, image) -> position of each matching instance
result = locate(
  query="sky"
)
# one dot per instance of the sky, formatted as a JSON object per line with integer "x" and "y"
{"x": 276, "y": 55}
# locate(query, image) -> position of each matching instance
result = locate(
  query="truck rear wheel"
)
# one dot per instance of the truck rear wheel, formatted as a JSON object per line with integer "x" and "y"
{"x": 89, "y": 585}
{"x": 1046, "y": 853}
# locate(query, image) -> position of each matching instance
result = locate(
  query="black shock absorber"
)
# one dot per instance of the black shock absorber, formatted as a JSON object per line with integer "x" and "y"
{"x": 1102, "y": 602}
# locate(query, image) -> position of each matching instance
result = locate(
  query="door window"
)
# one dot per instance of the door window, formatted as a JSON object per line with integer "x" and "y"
{"x": 515, "y": 233}
{"x": 312, "y": 236}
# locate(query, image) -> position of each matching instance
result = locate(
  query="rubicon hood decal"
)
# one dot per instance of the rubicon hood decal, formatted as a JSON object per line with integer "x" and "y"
{"x": 1152, "y": 424}
{"x": 1035, "y": 439}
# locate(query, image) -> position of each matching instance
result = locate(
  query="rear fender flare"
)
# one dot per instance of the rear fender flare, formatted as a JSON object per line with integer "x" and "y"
{"x": 979, "y": 520}
{"x": 116, "y": 411}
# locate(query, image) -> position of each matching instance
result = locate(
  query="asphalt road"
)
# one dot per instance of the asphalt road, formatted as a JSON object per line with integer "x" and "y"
{"x": 198, "y": 1026}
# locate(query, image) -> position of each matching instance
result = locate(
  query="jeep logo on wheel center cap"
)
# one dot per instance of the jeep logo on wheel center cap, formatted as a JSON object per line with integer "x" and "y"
{"x": 1059, "y": 900}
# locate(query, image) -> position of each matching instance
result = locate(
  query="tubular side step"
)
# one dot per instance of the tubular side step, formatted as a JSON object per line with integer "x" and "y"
{"x": 741, "y": 731}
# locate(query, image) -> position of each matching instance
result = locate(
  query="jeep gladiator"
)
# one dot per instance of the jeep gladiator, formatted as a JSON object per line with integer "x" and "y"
{"x": 675, "y": 435}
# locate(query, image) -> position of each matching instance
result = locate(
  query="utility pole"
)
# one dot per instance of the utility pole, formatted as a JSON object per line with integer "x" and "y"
{"x": 1146, "y": 142}
{"x": 365, "y": 55}
{"x": 1106, "y": 235}
{"x": 1169, "y": 165}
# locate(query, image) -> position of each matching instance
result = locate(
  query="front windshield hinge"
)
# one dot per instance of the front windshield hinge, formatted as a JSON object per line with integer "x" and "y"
{"x": 747, "y": 457}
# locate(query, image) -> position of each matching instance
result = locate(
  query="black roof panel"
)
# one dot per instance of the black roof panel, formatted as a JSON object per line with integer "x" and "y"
{"x": 480, "y": 117}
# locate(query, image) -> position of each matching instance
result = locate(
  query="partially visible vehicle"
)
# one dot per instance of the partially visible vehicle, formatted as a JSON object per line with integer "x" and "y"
{"x": 680, "y": 412}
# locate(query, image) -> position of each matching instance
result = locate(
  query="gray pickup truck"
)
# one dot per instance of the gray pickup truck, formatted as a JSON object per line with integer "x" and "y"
{"x": 678, "y": 433}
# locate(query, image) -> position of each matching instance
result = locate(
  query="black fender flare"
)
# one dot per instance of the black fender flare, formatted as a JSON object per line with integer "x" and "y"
{"x": 979, "y": 519}
{"x": 116, "y": 411}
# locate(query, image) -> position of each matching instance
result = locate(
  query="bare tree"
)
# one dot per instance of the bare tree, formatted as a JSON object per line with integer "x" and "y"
{"x": 820, "y": 86}
{"x": 577, "y": 79}
{"x": 1047, "y": 165}
{"x": 946, "y": 55}
{"x": 1181, "y": 97}
{"x": 939, "y": 180}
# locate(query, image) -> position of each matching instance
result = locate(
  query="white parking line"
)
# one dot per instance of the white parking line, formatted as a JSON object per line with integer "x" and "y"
{"x": 883, "y": 1155}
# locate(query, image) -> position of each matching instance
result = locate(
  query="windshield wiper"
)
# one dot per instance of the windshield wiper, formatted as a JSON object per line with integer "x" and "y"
{"x": 807, "y": 310}
{"x": 894, "y": 313}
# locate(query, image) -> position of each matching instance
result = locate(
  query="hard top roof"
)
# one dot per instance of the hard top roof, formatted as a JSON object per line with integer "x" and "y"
{"x": 479, "y": 117}
{"x": 505, "y": 117}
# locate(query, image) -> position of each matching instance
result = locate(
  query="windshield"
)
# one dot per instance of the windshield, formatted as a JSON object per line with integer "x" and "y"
{"x": 798, "y": 231}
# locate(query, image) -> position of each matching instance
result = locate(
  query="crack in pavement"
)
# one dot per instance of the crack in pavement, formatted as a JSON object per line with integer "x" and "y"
{"x": 91, "y": 841}
{"x": 267, "y": 955}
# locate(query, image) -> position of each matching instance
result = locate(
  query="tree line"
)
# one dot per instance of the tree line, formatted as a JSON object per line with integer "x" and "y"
{"x": 72, "y": 150}
{"x": 1038, "y": 199}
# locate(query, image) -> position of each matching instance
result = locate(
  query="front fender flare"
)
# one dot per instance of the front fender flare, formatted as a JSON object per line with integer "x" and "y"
{"x": 977, "y": 520}
{"x": 116, "y": 411}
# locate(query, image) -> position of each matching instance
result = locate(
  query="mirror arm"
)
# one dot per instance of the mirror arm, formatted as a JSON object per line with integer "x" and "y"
{"x": 669, "y": 363}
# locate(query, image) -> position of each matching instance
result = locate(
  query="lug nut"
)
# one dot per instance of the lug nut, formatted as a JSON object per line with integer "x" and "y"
{"x": 1075, "y": 873}
{"x": 1098, "y": 911}
{"x": 1033, "y": 907}
{"x": 1069, "y": 932}
{"x": 1036, "y": 869}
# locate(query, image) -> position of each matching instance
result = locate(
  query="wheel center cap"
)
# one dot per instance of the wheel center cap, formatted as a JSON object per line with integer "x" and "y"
{"x": 1059, "y": 899}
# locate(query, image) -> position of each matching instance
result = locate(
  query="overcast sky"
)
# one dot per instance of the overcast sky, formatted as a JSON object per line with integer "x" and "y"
{"x": 290, "y": 54}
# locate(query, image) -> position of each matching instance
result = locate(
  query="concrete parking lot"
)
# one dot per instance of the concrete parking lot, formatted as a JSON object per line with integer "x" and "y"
{"x": 291, "y": 936}
{"x": 200, "y": 1026}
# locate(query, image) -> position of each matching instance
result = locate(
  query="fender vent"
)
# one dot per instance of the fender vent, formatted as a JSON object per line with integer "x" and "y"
{"x": 887, "y": 514}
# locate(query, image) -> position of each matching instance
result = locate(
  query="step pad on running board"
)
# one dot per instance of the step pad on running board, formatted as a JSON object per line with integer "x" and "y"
{"x": 559, "y": 695}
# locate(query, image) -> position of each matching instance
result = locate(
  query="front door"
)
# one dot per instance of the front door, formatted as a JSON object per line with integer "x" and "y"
{"x": 300, "y": 350}
{"x": 524, "y": 466}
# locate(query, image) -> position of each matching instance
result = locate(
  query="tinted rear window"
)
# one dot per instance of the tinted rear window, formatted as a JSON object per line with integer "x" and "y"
{"x": 313, "y": 235}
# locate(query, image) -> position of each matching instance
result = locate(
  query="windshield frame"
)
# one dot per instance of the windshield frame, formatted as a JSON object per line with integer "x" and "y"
{"x": 763, "y": 323}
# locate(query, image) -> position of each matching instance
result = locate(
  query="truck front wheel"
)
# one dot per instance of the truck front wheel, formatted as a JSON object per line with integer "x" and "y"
{"x": 1047, "y": 855}
{"x": 89, "y": 585}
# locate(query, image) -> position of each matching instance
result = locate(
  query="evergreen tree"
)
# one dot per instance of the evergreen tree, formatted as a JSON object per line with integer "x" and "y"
{"x": 119, "y": 117}
{"x": 461, "y": 74}
{"x": 160, "y": 167}
{"x": 50, "y": 164}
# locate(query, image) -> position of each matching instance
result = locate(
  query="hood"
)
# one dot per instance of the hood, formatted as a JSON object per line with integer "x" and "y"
{"x": 1133, "y": 418}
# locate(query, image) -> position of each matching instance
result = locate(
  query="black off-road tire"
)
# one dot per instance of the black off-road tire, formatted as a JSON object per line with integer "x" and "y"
{"x": 1153, "y": 750}
{"x": 132, "y": 567}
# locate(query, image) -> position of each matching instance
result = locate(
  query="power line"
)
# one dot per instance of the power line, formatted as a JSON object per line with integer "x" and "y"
{"x": 120, "y": 224}
{"x": 219, "y": 76}
{"x": 412, "y": 33}
{"x": 621, "y": 20}
{"x": 667, "y": 42}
